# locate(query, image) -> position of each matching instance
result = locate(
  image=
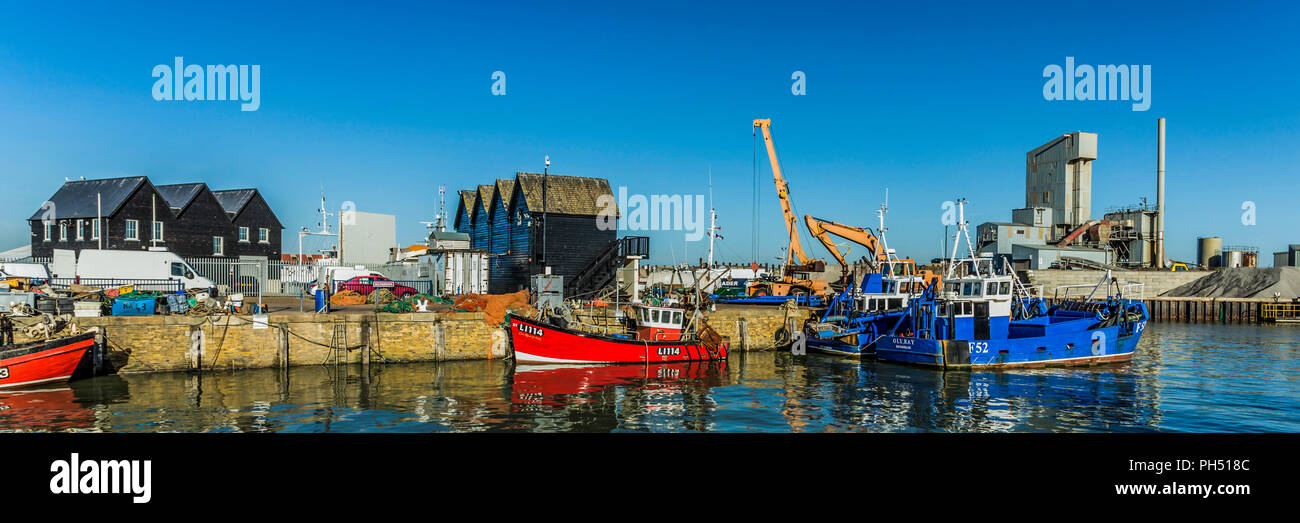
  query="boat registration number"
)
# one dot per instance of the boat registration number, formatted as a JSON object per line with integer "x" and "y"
{"x": 670, "y": 351}
{"x": 529, "y": 329}
{"x": 4, "y": 372}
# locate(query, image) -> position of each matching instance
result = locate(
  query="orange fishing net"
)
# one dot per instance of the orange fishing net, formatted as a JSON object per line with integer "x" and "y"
{"x": 347, "y": 298}
{"x": 495, "y": 306}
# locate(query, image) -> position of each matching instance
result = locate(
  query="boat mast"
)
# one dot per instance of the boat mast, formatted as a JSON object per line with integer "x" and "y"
{"x": 956, "y": 241}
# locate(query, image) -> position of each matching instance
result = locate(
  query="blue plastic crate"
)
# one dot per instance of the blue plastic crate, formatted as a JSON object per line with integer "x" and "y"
{"x": 133, "y": 307}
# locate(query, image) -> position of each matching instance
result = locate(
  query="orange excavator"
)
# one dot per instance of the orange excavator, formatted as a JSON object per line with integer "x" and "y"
{"x": 879, "y": 253}
{"x": 796, "y": 278}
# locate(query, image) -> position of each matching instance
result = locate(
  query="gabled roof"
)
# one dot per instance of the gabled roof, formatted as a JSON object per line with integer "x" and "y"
{"x": 77, "y": 199}
{"x": 234, "y": 200}
{"x": 564, "y": 194}
{"x": 505, "y": 189}
{"x": 468, "y": 200}
{"x": 485, "y": 194}
{"x": 180, "y": 195}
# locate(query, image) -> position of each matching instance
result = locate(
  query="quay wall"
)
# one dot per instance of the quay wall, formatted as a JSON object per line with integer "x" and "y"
{"x": 182, "y": 343}
{"x": 1155, "y": 282}
{"x": 755, "y": 327}
{"x": 172, "y": 343}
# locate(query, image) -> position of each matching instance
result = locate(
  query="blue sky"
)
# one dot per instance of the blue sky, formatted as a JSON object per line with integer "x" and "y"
{"x": 382, "y": 104}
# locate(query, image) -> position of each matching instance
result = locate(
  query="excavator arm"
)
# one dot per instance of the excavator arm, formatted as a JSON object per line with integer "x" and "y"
{"x": 795, "y": 250}
{"x": 822, "y": 229}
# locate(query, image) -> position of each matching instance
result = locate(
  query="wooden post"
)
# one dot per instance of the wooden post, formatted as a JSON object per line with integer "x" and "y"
{"x": 366, "y": 332}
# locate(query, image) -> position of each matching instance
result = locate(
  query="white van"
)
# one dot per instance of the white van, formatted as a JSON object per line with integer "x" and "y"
{"x": 35, "y": 271}
{"x": 134, "y": 265}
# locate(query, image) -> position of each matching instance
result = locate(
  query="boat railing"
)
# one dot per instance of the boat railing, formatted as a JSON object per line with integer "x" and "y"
{"x": 1128, "y": 289}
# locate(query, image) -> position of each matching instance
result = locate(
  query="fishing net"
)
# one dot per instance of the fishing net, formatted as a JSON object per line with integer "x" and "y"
{"x": 494, "y": 306}
{"x": 347, "y": 298}
{"x": 381, "y": 297}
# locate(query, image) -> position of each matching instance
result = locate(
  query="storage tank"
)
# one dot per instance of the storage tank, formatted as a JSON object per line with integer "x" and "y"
{"x": 1208, "y": 250}
{"x": 1231, "y": 259}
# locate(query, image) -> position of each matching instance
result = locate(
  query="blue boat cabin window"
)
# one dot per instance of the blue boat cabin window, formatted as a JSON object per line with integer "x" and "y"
{"x": 992, "y": 288}
{"x": 1006, "y": 288}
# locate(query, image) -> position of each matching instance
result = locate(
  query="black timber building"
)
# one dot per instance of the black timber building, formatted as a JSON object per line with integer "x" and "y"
{"x": 131, "y": 213}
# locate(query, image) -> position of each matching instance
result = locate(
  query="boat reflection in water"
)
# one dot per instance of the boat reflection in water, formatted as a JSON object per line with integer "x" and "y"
{"x": 59, "y": 407}
{"x": 879, "y": 396}
{"x": 659, "y": 396}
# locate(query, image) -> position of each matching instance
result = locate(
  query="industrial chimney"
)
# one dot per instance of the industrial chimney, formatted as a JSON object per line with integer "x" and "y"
{"x": 1160, "y": 194}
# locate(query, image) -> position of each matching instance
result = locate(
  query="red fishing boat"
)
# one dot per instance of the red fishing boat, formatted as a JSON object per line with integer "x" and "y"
{"x": 658, "y": 337}
{"x": 43, "y": 361}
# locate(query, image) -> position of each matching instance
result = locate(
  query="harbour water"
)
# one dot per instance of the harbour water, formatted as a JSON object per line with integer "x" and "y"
{"x": 1184, "y": 377}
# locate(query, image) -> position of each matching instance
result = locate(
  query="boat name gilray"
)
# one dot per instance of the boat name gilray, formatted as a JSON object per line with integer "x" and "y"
{"x": 103, "y": 477}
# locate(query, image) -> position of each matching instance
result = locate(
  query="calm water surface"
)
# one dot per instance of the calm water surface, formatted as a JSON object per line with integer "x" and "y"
{"x": 1201, "y": 378}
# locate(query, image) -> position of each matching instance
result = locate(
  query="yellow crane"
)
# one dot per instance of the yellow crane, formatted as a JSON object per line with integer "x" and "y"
{"x": 795, "y": 278}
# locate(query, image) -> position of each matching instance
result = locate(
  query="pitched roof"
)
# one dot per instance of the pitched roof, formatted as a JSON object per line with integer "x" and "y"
{"x": 506, "y": 189}
{"x": 234, "y": 200}
{"x": 77, "y": 199}
{"x": 564, "y": 194}
{"x": 180, "y": 195}
{"x": 485, "y": 194}
{"x": 468, "y": 198}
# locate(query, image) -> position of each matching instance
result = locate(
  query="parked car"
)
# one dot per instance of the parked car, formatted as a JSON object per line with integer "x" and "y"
{"x": 367, "y": 284}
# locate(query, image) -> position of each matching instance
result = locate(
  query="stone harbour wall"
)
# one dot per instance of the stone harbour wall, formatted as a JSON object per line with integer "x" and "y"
{"x": 755, "y": 327}
{"x": 172, "y": 343}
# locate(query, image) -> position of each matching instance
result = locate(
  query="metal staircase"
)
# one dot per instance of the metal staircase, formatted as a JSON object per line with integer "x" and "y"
{"x": 603, "y": 270}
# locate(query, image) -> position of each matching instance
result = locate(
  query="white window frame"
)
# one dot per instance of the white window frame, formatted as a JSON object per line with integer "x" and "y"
{"x": 218, "y": 246}
{"x": 94, "y": 229}
{"x": 129, "y": 227}
{"x": 81, "y": 229}
{"x": 263, "y": 235}
{"x": 49, "y": 229}
{"x": 63, "y": 230}
{"x": 157, "y": 232}
{"x": 243, "y": 235}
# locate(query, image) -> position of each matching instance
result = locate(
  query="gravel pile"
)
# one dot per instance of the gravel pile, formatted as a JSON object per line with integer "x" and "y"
{"x": 1243, "y": 282}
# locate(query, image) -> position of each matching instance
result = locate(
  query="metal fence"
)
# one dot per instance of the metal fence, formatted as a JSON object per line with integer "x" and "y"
{"x": 148, "y": 285}
{"x": 244, "y": 275}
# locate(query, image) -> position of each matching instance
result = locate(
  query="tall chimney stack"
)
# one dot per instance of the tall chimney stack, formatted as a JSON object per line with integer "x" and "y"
{"x": 1160, "y": 195}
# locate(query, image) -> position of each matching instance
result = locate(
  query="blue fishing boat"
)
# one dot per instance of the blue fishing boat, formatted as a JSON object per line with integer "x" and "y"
{"x": 982, "y": 317}
{"x": 860, "y": 314}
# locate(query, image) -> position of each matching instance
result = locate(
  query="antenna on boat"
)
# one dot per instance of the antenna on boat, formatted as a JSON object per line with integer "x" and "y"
{"x": 956, "y": 241}
{"x": 713, "y": 219}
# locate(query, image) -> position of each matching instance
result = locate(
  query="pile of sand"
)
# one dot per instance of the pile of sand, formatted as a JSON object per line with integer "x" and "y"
{"x": 1243, "y": 282}
{"x": 494, "y": 306}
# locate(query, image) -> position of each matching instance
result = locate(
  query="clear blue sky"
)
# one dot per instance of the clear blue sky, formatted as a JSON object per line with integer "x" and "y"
{"x": 382, "y": 104}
